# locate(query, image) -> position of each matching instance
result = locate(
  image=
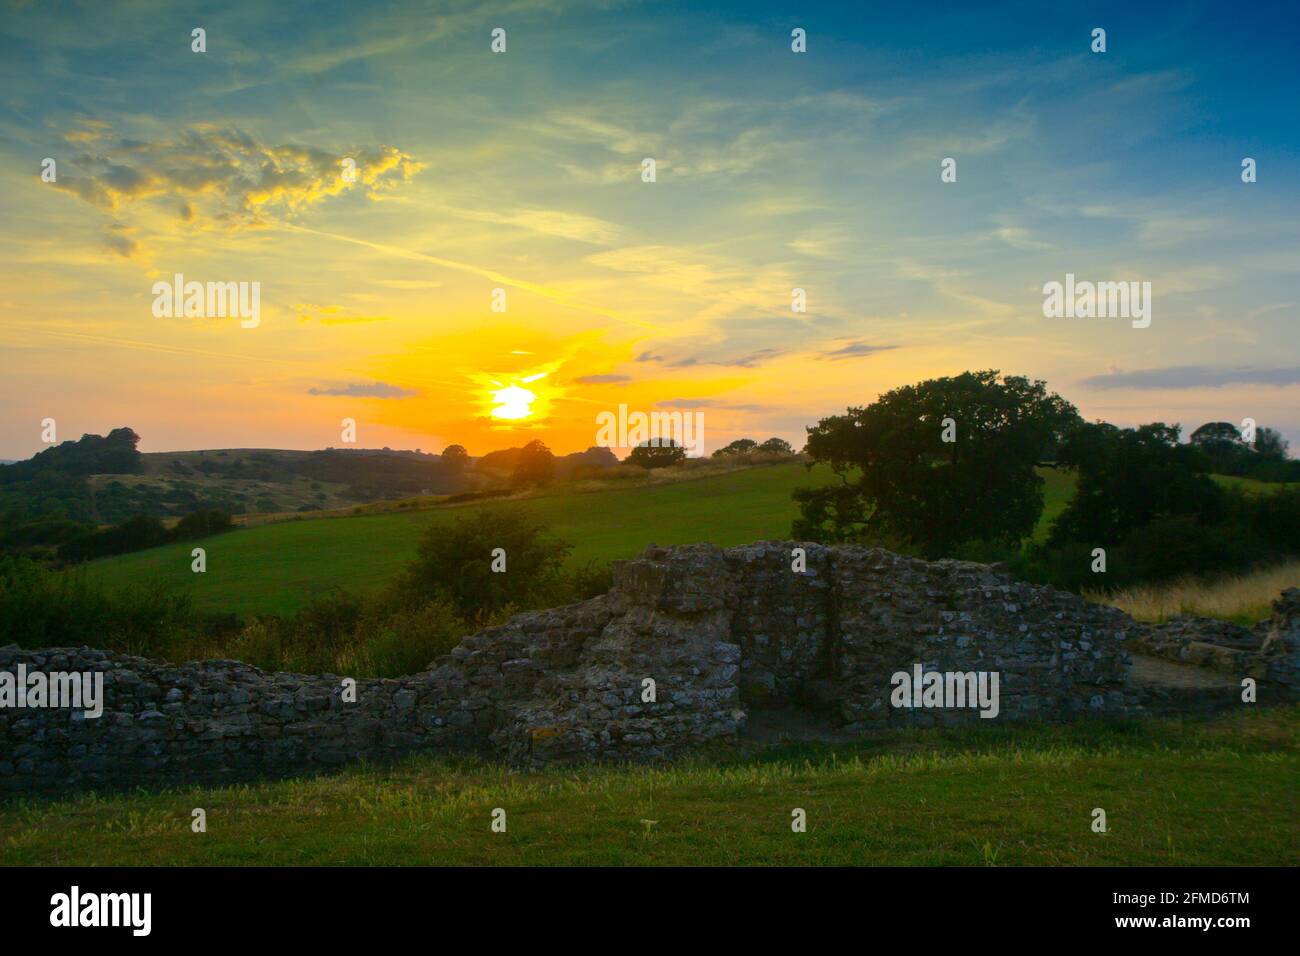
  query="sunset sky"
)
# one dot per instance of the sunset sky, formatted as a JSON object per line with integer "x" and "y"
{"x": 522, "y": 171}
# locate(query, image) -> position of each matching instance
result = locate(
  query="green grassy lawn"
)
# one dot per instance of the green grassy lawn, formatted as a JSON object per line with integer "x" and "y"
{"x": 277, "y": 568}
{"x": 1193, "y": 793}
{"x": 1251, "y": 486}
{"x": 1058, "y": 489}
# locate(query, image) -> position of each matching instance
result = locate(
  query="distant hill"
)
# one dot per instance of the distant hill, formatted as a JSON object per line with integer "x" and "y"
{"x": 56, "y": 482}
{"x": 88, "y": 455}
{"x": 502, "y": 463}
{"x": 106, "y": 480}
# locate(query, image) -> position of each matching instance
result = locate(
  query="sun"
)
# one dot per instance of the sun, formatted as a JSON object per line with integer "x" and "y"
{"x": 512, "y": 403}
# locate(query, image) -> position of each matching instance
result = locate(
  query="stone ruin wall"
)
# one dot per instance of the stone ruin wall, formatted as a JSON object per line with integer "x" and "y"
{"x": 718, "y": 631}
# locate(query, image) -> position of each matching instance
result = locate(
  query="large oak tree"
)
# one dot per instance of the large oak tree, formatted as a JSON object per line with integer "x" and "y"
{"x": 937, "y": 464}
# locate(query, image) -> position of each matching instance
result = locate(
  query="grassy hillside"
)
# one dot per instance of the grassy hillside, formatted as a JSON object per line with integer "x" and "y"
{"x": 1187, "y": 793}
{"x": 279, "y": 567}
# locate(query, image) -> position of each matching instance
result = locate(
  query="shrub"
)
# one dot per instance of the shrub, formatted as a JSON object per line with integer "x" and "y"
{"x": 133, "y": 534}
{"x": 1130, "y": 477}
{"x": 620, "y": 472}
{"x": 1244, "y": 531}
{"x": 455, "y": 563}
{"x": 339, "y": 633}
{"x": 201, "y": 524}
{"x": 44, "y": 608}
{"x": 588, "y": 581}
{"x": 407, "y": 642}
{"x": 478, "y": 495}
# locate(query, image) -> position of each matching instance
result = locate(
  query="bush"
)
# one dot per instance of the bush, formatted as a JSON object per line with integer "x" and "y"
{"x": 456, "y": 563}
{"x": 1274, "y": 518}
{"x": 1130, "y": 477}
{"x": 1181, "y": 545}
{"x": 339, "y": 633}
{"x": 201, "y": 524}
{"x": 44, "y": 608}
{"x": 133, "y": 534}
{"x": 141, "y": 532}
{"x": 406, "y": 643}
{"x": 478, "y": 495}
{"x": 1244, "y": 532}
{"x": 618, "y": 472}
{"x": 588, "y": 581}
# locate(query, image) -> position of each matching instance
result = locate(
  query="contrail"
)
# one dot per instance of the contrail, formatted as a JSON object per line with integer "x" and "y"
{"x": 478, "y": 271}
{"x": 145, "y": 346}
{"x": 185, "y": 350}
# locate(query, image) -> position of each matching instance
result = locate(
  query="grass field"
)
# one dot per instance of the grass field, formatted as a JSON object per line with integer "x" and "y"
{"x": 1244, "y": 598}
{"x": 277, "y": 568}
{"x": 1192, "y": 793}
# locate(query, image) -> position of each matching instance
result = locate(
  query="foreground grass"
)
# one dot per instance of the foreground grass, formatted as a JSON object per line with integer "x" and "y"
{"x": 1244, "y": 598}
{"x": 1211, "y": 792}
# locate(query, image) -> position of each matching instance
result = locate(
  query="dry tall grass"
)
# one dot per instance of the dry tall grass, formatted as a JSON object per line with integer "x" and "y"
{"x": 1244, "y": 598}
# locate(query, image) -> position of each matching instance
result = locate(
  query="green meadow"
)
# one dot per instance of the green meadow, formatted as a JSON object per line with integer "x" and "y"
{"x": 1175, "y": 792}
{"x": 1195, "y": 791}
{"x": 279, "y": 567}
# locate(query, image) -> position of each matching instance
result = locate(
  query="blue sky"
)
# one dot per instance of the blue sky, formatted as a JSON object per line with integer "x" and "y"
{"x": 522, "y": 171}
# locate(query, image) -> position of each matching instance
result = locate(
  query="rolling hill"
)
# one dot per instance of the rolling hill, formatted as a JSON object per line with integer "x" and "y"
{"x": 279, "y": 567}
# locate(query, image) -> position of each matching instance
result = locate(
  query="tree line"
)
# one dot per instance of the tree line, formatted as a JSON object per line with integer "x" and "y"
{"x": 950, "y": 467}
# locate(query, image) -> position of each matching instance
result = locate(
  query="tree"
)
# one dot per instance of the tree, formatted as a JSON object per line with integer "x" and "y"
{"x": 536, "y": 465}
{"x": 456, "y": 563}
{"x": 738, "y": 447}
{"x": 1269, "y": 443}
{"x": 660, "y": 455}
{"x": 778, "y": 445}
{"x": 115, "y": 454}
{"x": 937, "y": 464}
{"x": 1212, "y": 432}
{"x": 455, "y": 457}
{"x": 1130, "y": 477}
{"x": 1222, "y": 445}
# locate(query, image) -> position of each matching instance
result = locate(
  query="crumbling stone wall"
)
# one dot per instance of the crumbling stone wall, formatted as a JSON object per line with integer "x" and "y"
{"x": 1269, "y": 651}
{"x": 1281, "y": 647}
{"x": 674, "y": 656}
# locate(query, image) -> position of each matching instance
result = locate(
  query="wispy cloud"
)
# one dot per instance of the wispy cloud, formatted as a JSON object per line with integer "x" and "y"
{"x": 693, "y": 403}
{"x": 1194, "y": 376}
{"x": 334, "y": 315}
{"x": 856, "y": 350}
{"x": 364, "y": 390}
{"x": 602, "y": 379}
{"x": 747, "y": 360}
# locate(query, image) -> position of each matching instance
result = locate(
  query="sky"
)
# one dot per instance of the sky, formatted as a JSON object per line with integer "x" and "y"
{"x": 522, "y": 171}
